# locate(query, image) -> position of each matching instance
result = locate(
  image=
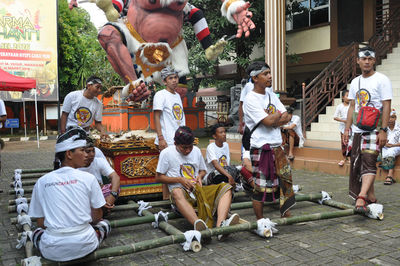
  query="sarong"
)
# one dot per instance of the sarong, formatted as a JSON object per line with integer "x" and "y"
{"x": 363, "y": 158}
{"x": 207, "y": 200}
{"x": 389, "y": 157}
{"x": 270, "y": 190}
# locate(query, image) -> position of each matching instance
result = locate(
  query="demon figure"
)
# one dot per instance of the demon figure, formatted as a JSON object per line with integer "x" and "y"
{"x": 144, "y": 36}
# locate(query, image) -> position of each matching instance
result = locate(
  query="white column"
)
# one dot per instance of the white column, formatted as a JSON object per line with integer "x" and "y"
{"x": 275, "y": 39}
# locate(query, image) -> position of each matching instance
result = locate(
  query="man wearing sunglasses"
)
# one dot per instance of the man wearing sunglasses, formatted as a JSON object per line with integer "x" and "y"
{"x": 82, "y": 107}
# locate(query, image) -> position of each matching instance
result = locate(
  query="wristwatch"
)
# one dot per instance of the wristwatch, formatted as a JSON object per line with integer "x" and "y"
{"x": 114, "y": 194}
{"x": 385, "y": 129}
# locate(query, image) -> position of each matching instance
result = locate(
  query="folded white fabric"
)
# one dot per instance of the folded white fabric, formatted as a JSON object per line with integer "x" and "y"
{"x": 33, "y": 261}
{"x": 143, "y": 206}
{"x": 24, "y": 219}
{"x": 158, "y": 219}
{"x": 24, "y": 238}
{"x": 296, "y": 188}
{"x": 375, "y": 211}
{"x": 325, "y": 196}
{"x": 189, "y": 235}
{"x": 265, "y": 227}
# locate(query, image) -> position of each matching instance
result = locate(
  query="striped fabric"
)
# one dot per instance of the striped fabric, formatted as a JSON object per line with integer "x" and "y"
{"x": 200, "y": 26}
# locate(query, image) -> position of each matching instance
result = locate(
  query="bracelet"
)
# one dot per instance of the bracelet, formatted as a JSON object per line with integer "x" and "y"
{"x": 160, "y": 137}
{"x": 228, "y": 3}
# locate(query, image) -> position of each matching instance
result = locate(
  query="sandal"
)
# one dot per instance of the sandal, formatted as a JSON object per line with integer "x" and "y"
{"x": 341, "y": 163}
{"x": 371, "y": 202}
{"x": 389, "y": 181}
{"x": 291, "y": 157}
{"x": 363, "y": 208}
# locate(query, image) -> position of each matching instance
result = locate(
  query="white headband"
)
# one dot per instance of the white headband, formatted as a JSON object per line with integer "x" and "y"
{"x": 256, "y": 72}
{"x": 393, "y": 112}
{"x": 70, "y": 144}
{"x": 366, "y": 53}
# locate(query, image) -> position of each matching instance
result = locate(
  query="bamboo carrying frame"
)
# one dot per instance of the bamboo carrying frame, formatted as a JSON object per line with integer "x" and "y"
{"x": 29, "y": 176}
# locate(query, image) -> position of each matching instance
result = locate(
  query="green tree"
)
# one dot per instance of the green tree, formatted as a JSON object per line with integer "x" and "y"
{"x": 80, "y": 52}
{"x": 220, "y": 26}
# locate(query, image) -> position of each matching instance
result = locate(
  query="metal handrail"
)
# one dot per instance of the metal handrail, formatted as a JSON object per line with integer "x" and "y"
{"x": 323, "y": 89}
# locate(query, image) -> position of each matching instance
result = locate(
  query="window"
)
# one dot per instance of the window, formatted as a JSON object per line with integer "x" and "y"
{"x": 306, "y": 13}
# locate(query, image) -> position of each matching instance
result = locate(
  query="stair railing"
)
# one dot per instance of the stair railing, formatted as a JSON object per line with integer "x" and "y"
{"x": 324, "y": 88}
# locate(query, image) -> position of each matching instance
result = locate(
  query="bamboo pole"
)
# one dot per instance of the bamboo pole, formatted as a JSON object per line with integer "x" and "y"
{"x": 33, "y": 175}
{"x": 179, "y": 238}
{"x": 25, "y": 183}
{"x": 26, "y": 190}
{"x": 12, "y": 202}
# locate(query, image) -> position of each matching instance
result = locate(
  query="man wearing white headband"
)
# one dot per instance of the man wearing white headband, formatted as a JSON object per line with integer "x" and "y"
{"x": 264, "y": 114}
{"x": 372, "y": 89}
{"x": 67, "y": 204}
{"x": 81, "y": 108}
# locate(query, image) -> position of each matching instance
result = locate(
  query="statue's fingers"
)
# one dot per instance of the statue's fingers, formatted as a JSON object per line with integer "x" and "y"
{"x": 239, "y": 32}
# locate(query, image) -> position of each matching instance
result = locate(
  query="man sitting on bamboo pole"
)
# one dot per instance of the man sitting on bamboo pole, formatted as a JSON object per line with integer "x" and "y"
{"x": 182, "y": 167}
{"x": 264, "y": 114}
{"x": 67, "y": 204}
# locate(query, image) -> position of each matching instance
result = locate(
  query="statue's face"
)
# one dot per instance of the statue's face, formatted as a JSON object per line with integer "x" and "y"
{"x": 155, "y": 22}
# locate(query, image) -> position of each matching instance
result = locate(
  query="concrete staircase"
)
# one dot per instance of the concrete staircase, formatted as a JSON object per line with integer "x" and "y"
{"x": 328, "y": 129}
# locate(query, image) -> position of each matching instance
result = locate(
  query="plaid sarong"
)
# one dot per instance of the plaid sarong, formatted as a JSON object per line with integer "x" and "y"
{"x": 281, "y": 182}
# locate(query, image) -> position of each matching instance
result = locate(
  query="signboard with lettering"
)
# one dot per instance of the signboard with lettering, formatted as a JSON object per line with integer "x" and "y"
{"x": 12, "y": 123}
{"x": 28, "y": 46}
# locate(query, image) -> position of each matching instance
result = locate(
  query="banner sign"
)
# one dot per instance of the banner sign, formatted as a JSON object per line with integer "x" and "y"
{"x": 28, "y": 46}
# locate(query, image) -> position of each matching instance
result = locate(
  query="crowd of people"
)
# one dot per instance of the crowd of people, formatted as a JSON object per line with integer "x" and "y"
{"x": 207, "y": 185}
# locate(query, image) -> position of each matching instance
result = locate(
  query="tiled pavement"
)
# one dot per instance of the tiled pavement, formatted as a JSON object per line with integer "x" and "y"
{"x": 345, "y": 240}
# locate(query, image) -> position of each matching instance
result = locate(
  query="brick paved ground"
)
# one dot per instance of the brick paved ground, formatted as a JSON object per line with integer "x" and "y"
{"x": 347, "y": 240}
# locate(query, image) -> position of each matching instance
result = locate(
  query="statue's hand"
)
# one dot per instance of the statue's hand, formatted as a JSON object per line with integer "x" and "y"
{"x": 243, "y": 16}
{"x": 109, "y": 10}
{"x": 72, "y": 4}
{"x": 136, "y": 91}
{"x": 215, "y": 50}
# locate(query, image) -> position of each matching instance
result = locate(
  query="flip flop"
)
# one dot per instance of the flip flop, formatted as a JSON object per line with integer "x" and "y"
{"x": 361, "y": 208}
{"x": 291, "y": 157}
{"x": 341, "y": 163}
{"x": 389, "y": 181}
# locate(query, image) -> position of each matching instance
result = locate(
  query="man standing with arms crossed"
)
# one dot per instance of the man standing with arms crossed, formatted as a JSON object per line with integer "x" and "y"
{"x": 369, "y": 89}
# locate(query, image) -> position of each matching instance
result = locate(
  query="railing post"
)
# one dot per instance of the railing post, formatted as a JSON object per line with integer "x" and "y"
{"x": 303, "y": 108}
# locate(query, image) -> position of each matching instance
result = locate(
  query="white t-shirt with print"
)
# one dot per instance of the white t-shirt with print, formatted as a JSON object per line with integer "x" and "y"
{"x": 393, "y": 136}
{"x": 172, "y": 115}
{"x": 341, "y": 113}
{"x": 254, "y": 109}
{"x": 2, "y": 110}
{"x": 171, "y": 162}
{"x": 374, "y": 90}
{"x": 81, "y": 110}
{"x": 64, "y": 198}
{"x": 99, "y": 167}
{"x": 220, "y": 154}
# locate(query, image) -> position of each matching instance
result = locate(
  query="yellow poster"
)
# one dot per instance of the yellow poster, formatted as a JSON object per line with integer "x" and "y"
{"x": 28, "y": 45}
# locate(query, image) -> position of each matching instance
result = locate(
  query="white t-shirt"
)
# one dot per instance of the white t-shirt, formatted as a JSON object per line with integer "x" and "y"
{"x": 81, "y": 110}
{"x": 99, "y": 167}
{"x": 393, "y": 136}
{"x": 220, "y": 154}
{"x": 2, "y": 110}
{"x": 341, "y": 113}
{"x": 98, "y": 153}
{"x": 171, "y": 161}
{"x": 172, "y": 115}
{"x": 249, "y": 87}
{"x": 254, "y": 108}
{"x": 297, "y": 121}
{"x": 374, "y": 90}
{"x": 64, "y": 198}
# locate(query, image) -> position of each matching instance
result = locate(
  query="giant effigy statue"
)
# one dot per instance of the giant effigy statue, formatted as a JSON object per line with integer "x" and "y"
{"x": 144, "y": 36}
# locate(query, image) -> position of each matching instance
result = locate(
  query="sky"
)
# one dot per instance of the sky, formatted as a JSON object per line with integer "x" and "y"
{"x": 97, "y": 16}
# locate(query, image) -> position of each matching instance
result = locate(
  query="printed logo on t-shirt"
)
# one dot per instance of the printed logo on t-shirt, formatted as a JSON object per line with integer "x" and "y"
{"x": 271, "y": 109}
{"x": 363, "y": 97}
{"x": 83, "y": 115}
{"x": 223, "y": 161}
{"x": 177, "y": 111}
{"x": 187, "y": 170}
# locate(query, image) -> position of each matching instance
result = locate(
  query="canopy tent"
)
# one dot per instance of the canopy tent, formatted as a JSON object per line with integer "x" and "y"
{"x": 9, "y": 82}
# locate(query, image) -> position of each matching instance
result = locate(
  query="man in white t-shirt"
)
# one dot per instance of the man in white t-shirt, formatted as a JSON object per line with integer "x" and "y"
{"x": 168, "y": 109}
{"x": 182, "y": 167}
{"x": 264, "y": 114}
{"x": 371, "y": 89}
{"x": 293, "y": 133}
{"x": 100, "y": 168}
{"x": 81, "y": 108}
{"x": 67, "y": 204}
{"x": 218, "y": 160}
